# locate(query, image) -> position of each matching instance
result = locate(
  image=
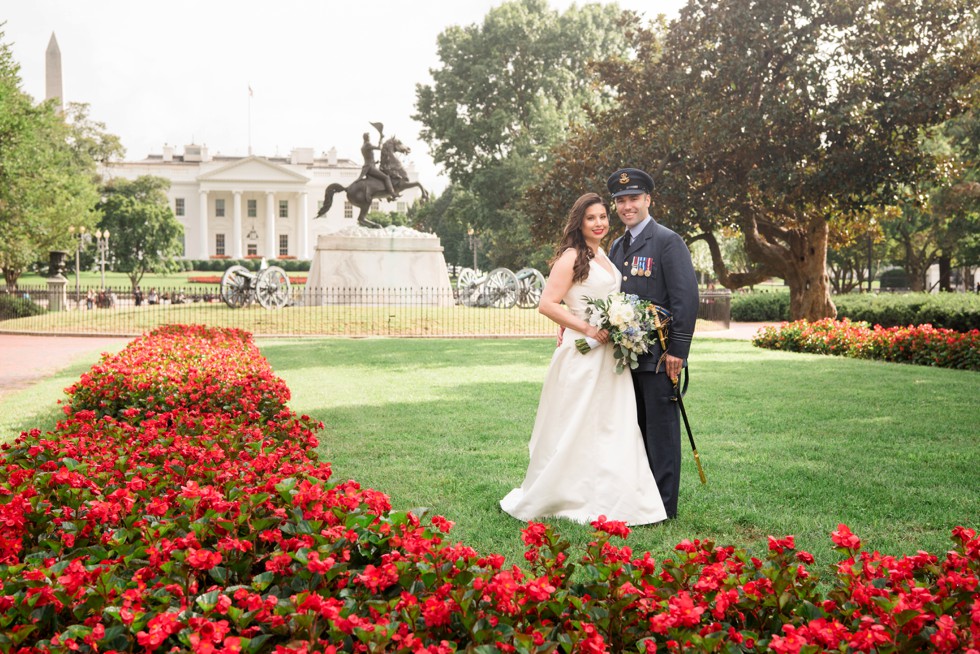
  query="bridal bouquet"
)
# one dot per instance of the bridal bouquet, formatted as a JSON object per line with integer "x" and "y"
{"x": 630, "y": 323}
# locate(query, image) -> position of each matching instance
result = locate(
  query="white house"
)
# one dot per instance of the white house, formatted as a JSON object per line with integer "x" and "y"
{"x": 243, "y": 206}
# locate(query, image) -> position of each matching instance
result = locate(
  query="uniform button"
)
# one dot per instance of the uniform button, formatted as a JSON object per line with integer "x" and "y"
{"x": 626, "y": 263}
{"x": 624, "y": 278}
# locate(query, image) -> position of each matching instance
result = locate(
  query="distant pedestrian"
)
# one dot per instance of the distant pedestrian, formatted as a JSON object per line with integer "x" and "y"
{"x": 138, "y": 296}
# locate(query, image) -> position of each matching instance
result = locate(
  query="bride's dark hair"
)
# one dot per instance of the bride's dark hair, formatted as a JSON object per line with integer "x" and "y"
{"x": 572, "y": 236}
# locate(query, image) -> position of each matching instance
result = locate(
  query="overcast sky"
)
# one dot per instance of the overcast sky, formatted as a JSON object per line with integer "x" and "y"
{"x": 178, "y": 72}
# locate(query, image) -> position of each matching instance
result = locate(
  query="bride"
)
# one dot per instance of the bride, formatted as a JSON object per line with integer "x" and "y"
{"x": 587, "y": 454}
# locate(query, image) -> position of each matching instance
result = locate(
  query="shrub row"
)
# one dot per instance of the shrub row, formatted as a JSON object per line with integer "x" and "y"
{"x": 178, "y": 508}
{"x": 760, "y": 306}
{"x": 12, "y": 306}
{"x": 958, "y": 311}
{"x": 921, "y": 344}
{"x": 215, "y": 265}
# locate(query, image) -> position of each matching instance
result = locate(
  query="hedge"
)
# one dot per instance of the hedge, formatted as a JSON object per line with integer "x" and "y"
{"x": 956, "y": 311}
{"x": 220, "y": 265}
{"x": 12, "y": 306}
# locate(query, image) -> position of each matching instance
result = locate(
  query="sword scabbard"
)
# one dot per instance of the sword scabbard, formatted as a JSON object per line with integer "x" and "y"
{"x": 697, "y": 460}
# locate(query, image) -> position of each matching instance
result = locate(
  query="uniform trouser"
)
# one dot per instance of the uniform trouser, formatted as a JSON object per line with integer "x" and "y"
{"x": 660, "y": 424}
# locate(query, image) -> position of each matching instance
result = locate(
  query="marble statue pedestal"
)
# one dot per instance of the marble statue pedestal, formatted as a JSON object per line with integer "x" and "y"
{"x": 390, "y": 266}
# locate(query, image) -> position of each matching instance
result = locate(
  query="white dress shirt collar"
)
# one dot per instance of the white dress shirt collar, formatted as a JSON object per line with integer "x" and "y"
{"x": 635, "y": 230}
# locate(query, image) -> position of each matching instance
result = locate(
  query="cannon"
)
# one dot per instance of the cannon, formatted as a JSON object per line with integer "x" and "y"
{"x": 240, "y": 286}
{"x": 501, "y": 288}
{"x": 531, "y": 283}
{"x": 497, "y": 289}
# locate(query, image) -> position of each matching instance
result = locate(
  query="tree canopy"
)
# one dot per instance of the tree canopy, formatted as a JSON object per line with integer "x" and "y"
{"x": 48, "y": 176}
{"x": 144, "y": 234}
{"x": 506, "y": 91}
{"x": 772, "y": 118}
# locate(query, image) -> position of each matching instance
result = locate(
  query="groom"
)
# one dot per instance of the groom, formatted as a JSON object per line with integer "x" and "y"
{"x": 655, "y": 264}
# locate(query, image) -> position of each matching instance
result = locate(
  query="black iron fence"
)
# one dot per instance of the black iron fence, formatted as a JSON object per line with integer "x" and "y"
{"x": 355, "y": 312}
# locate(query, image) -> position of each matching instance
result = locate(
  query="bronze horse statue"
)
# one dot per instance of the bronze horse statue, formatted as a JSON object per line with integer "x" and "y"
{"x": 364, "y": 190}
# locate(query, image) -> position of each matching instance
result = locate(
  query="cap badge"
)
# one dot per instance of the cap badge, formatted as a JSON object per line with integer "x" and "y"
{"x": 624, "y": 178}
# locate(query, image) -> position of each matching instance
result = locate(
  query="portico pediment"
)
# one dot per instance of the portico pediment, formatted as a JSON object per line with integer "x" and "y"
{"x": 252, "y": 169}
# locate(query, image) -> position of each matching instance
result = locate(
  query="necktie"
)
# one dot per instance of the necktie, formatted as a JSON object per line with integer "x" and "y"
{"x": 627, "y": 239}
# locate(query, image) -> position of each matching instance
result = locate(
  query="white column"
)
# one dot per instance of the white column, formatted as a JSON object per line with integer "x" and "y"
{"x": 303, "y": 233}
{"x": 202, "y": 227}
{"x": 236, "y": 226}
{"x": 270, "y": 225}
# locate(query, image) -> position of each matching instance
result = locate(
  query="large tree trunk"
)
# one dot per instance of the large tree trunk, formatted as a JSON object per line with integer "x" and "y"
{"x": 801, "y": 256}
{"x": 10, "y": 276}
{"x": 806, "y": 274}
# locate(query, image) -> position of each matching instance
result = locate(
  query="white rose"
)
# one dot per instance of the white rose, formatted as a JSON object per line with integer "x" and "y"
{"x": 620, "y": 314}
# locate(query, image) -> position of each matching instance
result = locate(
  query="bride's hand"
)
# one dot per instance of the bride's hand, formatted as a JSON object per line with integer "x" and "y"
{"x": 601, "y": 335}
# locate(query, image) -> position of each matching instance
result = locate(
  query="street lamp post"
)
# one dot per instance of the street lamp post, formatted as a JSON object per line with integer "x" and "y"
{"x": 78, "y": 248}
{"x": 102, "y": 239}
{"x": 475, "y": 243}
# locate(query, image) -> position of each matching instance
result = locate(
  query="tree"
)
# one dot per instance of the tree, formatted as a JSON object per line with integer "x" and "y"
{"x": 507, "y": 91}
{"x": 48, "y": 176}
{"x": 940, "y": 222}
{"x": 851, "y": 260}
{"x": 145, "y": 235}
{"x": 445, "y": 216}
{"x": 774, "y": 118}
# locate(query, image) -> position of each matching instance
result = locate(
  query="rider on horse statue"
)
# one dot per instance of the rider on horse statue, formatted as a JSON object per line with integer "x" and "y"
{"x": 386, "y": 179}
{"x": 370, "y": 169}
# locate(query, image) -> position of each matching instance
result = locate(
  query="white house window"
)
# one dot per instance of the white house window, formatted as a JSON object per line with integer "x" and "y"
{"x": 402, "y": 207}
{"x": 283, "y": 245}
{"x": 348, "y": 210}
{"x": 219, "y": 208}
{"x": 375, "y": 206}
{"x": 179, "y": 207}
{"x": 253, "y": 249}
{"x": 253, "y": 208}
{"x": 284, "y": 208}
{"x": 219, "y": 244}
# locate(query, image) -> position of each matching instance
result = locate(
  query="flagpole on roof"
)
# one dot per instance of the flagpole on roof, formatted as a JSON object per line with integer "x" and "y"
{"x": 250, "y": 119}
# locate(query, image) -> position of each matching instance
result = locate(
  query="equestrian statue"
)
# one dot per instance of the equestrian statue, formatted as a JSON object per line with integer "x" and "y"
{"x": 384, "y": 180}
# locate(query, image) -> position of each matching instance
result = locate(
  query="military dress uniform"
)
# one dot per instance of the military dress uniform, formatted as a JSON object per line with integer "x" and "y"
{"x": 656, "y": 266}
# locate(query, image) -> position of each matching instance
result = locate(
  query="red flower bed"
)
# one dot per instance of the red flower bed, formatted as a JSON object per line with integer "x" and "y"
{"x": 918, "y": 344}
{"x": 179, "y": 507}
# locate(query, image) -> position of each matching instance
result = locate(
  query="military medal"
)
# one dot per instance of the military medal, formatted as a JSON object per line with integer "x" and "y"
{"x": 648, "y": 269}
{"x": 635, "y": 268}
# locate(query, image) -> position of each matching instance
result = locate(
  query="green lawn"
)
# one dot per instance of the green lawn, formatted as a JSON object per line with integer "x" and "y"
{"x": 791, "y": 443}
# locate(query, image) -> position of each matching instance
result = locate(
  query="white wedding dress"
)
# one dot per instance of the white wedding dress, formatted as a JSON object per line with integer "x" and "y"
{"x": 587, "y": 454}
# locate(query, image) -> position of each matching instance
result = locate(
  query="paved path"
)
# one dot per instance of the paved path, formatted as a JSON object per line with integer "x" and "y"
{"x": 741, "y": 331}
{"x": 25, "y": 359}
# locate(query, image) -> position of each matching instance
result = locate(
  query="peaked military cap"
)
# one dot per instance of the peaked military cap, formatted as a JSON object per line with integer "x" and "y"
{"x": 629, "y": 181}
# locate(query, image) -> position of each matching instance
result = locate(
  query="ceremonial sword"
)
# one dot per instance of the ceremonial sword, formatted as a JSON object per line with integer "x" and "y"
{"x": 678, "y": 394}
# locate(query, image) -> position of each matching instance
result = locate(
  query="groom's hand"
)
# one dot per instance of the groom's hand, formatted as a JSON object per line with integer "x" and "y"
{"x": 674, "y": 367}
{"x": 561, "y": 335}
